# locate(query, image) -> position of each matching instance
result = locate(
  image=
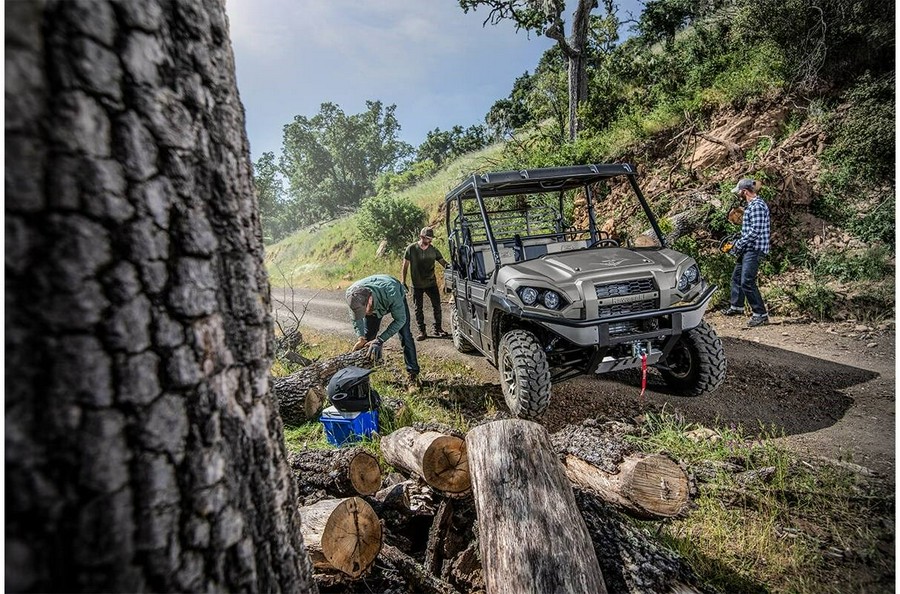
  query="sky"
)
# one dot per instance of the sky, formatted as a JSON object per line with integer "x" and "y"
{"x": 438, "y": 65}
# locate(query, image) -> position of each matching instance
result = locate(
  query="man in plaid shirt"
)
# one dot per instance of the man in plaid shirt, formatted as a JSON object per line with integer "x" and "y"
{"x": 750, "y": 249}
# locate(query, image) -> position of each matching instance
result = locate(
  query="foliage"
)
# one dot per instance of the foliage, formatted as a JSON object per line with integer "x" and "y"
{"x": 440, "y": 146}
{"x": 410, "y": 176}
{"x": 821, "y": 40}
{"x": 278, "y": 215}
{"x": 814, "y": 299}
{"x": 864, "y": 135}
{"x": 392, "y": 218}
{"x": 508, "y": 115}
{"x": 870, "y": 264}
{"x": 331, "y": 160}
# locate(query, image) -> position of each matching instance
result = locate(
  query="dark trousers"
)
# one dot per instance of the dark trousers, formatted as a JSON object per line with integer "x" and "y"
{"x": 743, "y": 283}
{"x": 373, "y": 325}
{"x": 435, "y": 296}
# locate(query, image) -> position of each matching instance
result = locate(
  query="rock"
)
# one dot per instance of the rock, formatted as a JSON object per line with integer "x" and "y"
{"x": 703, "y": 434}
{"x": 872, "y": 345}
{"x": 861, "y": 328}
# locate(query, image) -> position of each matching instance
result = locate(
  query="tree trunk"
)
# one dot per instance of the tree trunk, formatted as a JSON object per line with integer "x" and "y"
{"x": 342, "y": 534}
{"x": 143, "y": 448}
{"x": 439, "y": 459}
{"x": 643, "y": 486}
{"x": 531, "y": 535}
{"x": 300, "y": 395}
{"x": 342, "y": 472}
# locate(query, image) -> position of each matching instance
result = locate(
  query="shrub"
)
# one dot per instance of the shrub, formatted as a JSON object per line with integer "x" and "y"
{"x": 814, "y": 299}
{"x": 871, "y": 264}
{"x": 391, "y": 218}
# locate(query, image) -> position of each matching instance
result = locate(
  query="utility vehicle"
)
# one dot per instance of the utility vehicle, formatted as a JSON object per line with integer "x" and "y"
{"x": 546, "y": 301}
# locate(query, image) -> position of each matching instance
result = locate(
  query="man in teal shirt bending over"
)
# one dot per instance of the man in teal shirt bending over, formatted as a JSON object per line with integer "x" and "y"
{"x": 372, "y": 298}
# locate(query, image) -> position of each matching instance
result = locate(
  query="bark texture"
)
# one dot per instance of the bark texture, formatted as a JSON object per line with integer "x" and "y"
{"x": 342, "y": 472}
{"x": 531, "y": 534}
{"x": 143, "y": 448}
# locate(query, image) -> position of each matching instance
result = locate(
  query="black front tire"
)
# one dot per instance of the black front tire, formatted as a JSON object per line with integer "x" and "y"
{"x": 524, "y": 374}
{"x": 696, "y": 365}
{"x": 461, "y": 343}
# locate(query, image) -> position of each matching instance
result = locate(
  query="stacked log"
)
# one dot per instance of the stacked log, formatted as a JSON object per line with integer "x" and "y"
{"x": 341, "y": 534}
{"x": 437, "y": 458}
{"x": 501, "y": 510}
{"x": 340, "y": 472}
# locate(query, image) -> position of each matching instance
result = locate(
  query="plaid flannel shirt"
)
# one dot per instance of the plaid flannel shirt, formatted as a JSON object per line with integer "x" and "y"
{"x": 755, "y": 228}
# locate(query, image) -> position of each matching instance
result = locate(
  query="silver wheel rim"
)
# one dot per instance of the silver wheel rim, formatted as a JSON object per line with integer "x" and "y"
{"x": 508, "y": 375}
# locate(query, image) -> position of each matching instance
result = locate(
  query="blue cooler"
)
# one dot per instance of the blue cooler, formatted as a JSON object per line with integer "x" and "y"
{"x": 348, "y": 427}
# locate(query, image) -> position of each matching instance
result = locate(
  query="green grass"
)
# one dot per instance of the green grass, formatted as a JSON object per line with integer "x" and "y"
{"x": 333, "y": 255}
{"x": 764, "y": 535}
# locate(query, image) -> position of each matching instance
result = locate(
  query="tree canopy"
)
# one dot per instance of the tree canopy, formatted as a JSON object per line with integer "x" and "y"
{"x": 331, "y": 160}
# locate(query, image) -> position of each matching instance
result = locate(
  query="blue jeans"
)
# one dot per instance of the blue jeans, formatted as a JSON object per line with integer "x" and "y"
{"x": 373, "y": 325}
{"x": 743, "y": 283}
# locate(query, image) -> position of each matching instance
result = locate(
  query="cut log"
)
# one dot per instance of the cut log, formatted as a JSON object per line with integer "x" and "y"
{"x": 439, "y": 459}
{"x": 340, "y": 473}
{"x": 300, "y": 395}
{"x": 341, "y": 534}
{"x": 645, "y": 486}
{"x": 532, "y": 537}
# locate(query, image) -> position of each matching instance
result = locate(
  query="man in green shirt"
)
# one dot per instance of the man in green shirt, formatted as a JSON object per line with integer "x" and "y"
{"x": 370, "y": 300}
{"x": 419, "y": 260}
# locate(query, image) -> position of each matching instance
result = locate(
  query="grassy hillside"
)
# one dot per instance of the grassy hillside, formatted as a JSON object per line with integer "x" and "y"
{"x": 334, "y": 254}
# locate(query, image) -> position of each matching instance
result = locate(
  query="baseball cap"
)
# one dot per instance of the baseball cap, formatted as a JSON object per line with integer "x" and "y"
{"x": 426, "y": 232}
{"x": 744, "y": 184}
{"x": 358, "y": 300}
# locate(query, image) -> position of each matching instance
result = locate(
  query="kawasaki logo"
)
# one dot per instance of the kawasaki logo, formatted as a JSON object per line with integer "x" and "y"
{"x": 611, "y": 261}
{"x": 629, "y": 298}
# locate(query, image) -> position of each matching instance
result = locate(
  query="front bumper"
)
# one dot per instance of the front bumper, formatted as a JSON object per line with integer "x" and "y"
{"x": 591, "y": 333}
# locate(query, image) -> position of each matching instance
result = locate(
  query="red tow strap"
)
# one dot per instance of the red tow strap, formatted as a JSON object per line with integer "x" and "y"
{"x": 643, "y": 374}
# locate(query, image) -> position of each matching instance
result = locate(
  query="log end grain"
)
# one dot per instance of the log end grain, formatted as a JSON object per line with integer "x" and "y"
{"x": 446, "y": 465}
{"x": 365, "y": 474}
{"x": 658, "y": 485}
{"x": 352, "y": 537}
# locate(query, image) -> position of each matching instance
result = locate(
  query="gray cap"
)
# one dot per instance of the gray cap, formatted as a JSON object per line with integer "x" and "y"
{"x": 426, "y": 232}
{"x": 744, "y": 184}
{"x": 358, "y": 300}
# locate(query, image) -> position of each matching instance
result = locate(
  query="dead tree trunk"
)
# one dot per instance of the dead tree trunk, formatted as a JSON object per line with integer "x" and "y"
{"x": 531, "y": 534}
{"x": 439, "y": 459}
{"x": 342, "y": 473}
{"x": 341, "y": 534}
{"x": 644, "y": 486}
{"x": 300, "y": 395}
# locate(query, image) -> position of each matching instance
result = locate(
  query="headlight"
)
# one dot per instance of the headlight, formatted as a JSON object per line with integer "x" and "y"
{"x": 529, "y": 296}
{"x": 689, "y": 277}
{"x": 551, "y": 299}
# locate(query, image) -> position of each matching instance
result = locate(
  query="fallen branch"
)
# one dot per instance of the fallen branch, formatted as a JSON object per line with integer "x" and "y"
{"x": 341, "y": 472}
{"x": 415, "y": 573}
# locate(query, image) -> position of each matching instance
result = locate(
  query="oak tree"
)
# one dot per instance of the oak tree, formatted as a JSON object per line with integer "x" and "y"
{"x": 143, "y": 448}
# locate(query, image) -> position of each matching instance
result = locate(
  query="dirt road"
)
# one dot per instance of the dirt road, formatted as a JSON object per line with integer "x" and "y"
{"x": 829, "y": 389}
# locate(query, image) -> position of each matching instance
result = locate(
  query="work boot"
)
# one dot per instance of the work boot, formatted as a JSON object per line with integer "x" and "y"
{"x": 733, "y": 311}
{"x": 412, "y": 381}
{"x": 422, "y": 335}
{"x": 439, "y": 333}
{"x": 758, "y": 320}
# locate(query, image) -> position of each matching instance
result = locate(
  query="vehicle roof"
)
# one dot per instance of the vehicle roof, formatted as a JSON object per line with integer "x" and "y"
{"x": 531, "y": 181}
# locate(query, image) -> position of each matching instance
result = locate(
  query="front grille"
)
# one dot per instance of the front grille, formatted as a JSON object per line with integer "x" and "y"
{"x": 624, "y": 328}
{"x": 620, "y": 288}
{"x": 621, "y": 309}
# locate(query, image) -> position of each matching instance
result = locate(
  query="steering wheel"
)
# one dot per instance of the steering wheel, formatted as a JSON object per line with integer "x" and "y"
{"x": 606, "y": 242}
